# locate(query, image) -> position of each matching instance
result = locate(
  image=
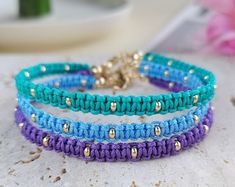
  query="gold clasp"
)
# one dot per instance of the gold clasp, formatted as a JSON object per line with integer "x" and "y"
{"x": 118, "y": 72}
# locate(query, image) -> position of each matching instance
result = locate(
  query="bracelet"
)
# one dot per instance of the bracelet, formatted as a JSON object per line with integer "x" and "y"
{"x": 109, "y": 132}
{"x": 114, "y": 152}
{"x": 201, "y": 83}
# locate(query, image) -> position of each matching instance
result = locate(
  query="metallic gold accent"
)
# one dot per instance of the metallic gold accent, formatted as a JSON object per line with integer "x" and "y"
{"x": 191, "y": 71}
{"x": 43, "y": 69}
{"x": 146, "y": 68}
{"x": 67, "y": 67}
{"x": 45, "y": 141}
{"x": 157, "y": 131}
{"x": 166, "y": 73}
{"x": 87, "y": 151}
{"x": 26, "y": 74}
{"x": 32, "y": 92}
{"x": 113, "y": 106}
{"x": 195, "y": 119}
{"x": 185, "y": 79}
{"x": 68, "y": 101}
{"x": 112, "y": 133}
{"x": 83, "y": 82}
{"x": 158, "y": 106}
{"x": 134, "y": 152}
{"x": 195, "y": 99}
{"x": 150, "y": 58}
{"x": 66, "y": 127}
{"x": 56, "y": 84}
{"x": 33, "y": 117}
{"x": 171, "y": 85}
{"x": 169, "y": 63}
{"x": 21, "y": 125}
{"x": 206, "y": 128}
{"x": 118, "y": 72}
{"x": 177, "y": 145}
{"x": 206, "y": 77}
{"x": 98, "y": 69}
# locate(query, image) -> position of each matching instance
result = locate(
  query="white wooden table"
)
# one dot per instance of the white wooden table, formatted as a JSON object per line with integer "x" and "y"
{"x": 211, "y": 163}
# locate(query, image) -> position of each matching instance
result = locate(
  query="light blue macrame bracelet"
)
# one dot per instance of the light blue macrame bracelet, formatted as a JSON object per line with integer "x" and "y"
{"x": 100, "y": 132}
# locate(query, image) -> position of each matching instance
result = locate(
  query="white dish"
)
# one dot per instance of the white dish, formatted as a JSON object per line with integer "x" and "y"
{"x": 71, "y": 21}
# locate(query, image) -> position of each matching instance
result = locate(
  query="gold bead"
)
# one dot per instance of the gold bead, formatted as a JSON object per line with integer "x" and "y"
{"x": 67, "y": 67}
{"x": 191, "y": 71}
{"x": 33, "y": 117}
{"x": 136, "y": 56}
{"x": 43, "y": 69}
{"x": 26, "y": 74}
{"x": 134, "y": 152}
{"x": 102, "y": 81}
{"x": 195, "y": 99}
{"x": 171, "y": 85}
{"x": 146, "y": 68}
{"x": 83, "y": 82}
{"x": 96, "y": 69}
{"x": 32, "y": 92}
{"x": 177, "y": 145}
{"x": 185, "y": 79}
{"x": 157, "y": 131}
{"x": 206, "y": 128}
{"x": 195, "y": 119}
{"x": 112, "y": 133}
{"x": 206, "y": 77}
{"x": 150, "y": 58}
{"x": 21, "y": 125}
{"x": 113, "y": 106}
{"x": 169, "y": 63}
{"x": 87, "y": 151}
{"x": 108, "y": 64}
{"x": 97, "y": 83}
{"x": 45, "y": 141}
{"x": 158, "y": 106}
{"x": 66, "y": 127}
{"x": 140, "y": 53}
{"x": 68, "y": 101}
{"x": 56, "y": 84}
{"x": 166, "y": 73}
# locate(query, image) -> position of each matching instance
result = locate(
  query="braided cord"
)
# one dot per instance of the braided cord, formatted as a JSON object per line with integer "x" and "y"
{"x": 114, "y": 152}
{"x": 100, "y": 132}
{"x": 126, "y": 105}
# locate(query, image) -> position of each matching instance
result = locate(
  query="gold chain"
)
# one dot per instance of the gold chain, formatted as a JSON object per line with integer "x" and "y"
{"x": 118, "y": 72}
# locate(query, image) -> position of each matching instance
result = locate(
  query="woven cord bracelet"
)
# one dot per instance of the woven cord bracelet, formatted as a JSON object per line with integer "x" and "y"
{"x": 110, "y": 132}
{"x": 201, "y": 83}
{"x": 114, "y": 152}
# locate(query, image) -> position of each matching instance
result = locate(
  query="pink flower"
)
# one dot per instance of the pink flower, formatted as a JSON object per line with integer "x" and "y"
{"x": 218, "y": 26}
{"x": 220, "y": 6}
{"x": 220, "y": 31}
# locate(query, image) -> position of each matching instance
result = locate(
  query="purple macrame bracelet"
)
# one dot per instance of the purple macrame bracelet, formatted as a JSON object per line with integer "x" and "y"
{"x": 115, "y": 152}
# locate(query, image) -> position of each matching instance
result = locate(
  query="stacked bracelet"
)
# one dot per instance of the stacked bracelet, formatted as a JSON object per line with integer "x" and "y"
{"x": 191, "y": 87}
{"x": 101, "y": 132}
{"x": 114, "y": 152}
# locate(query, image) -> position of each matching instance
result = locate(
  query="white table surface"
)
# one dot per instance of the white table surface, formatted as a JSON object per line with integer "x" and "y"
{"x": 211, "y": 163}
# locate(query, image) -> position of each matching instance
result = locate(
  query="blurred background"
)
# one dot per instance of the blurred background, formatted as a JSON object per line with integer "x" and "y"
{"x": 91, "y": 27}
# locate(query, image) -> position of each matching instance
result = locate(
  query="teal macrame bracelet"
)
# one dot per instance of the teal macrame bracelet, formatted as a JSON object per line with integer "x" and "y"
{"x": 201, "y": 82}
